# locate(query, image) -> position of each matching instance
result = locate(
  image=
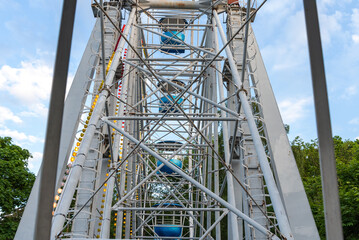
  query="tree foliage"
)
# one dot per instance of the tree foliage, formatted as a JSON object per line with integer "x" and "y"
{"x": 16, "y": 182}
{"x": 15, "y": 186}
{"x": 347, "y": 159}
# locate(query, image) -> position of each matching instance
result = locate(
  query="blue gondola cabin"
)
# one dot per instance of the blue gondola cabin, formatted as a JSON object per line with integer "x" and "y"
{"x": 173, "y": 35}
{"x": 167, "y": 102}
{"x": 169, "y": 223}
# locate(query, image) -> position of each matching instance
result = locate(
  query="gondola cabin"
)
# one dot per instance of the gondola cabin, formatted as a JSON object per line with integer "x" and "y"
{"x": 170, "y": 88}
{"x": 170, "y": 91}
{"x": 173, "y": 34}
{"x": 166, "y": 149}
{"x": 165, "y": 169}
{"x": 168, "y": 223}
{"x": 167, "y": 102}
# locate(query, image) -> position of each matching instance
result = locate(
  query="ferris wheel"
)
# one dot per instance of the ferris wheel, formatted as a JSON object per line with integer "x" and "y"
{"x": 171, "y": 131}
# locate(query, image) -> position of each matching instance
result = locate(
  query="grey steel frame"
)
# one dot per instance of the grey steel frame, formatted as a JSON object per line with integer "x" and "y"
{"x": 333, "y": 221}
{"x": 53, "y": 132}
{"x": 73, "y": 107}
{"x": 197, "y": 128}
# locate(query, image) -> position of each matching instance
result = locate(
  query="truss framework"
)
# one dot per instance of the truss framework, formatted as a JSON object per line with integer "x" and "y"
{"x": 181, "y": 134}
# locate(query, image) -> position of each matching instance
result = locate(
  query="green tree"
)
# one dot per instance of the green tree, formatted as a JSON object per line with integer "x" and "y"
{"x": 347, "y": 156}
{"x": 15, "y": 186}
{"x": 347, "y": 159}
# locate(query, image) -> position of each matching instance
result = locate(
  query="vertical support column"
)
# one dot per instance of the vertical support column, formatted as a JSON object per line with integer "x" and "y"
{"x": 76, "y": 170}
{"x": 216, "y": 144}
{"x": 136, "y": 98}
{"x": 210, "y": 82}
{"x": 130, "y": 126}
{"x": 190, "y": 167}
{"x": 76, "y": 98}
{"x": 72, "y": 111}
{"x": 94, "y": 171}
{"x": 283, "y": 162}
{"x": 262, "y": 157}
{"x": 102, "y": 204}
{"x": 122, "y": 109}
{"x": 333, "y": 221}
{"x": 233, "y": 230}
{"x": 105, "y": 227}
{"x": 53, "y": 131}
{"x": 234, "y": 21}
{"x": 86, "y": 187}
{"x": 245, "y": 163}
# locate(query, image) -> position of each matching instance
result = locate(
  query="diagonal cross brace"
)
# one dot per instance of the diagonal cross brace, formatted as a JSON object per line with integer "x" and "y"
{"x": 196, "y": 183}
{"x": 176, "y": 39}
{"x": 190, "y": 92}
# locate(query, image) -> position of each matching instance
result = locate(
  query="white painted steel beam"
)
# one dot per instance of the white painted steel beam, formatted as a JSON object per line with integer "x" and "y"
{"x": 262, "y": 157}
{"x": 76, "y": 170}
{"x": 194, "y": 182}
{"x": 189, "y": 92}
{"x": 72, "y": 111}
{"x": 285, "y": 168}
{"x": 166, "y": 4}
{"x": 194, "y": 136}
{"x": 233, "y": 228}
{"x": 173, "y": 38}
{"x": 174, "y": 118}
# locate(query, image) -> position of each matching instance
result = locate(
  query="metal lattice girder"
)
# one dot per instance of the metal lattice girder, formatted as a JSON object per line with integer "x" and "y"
{"x": 74, "y": 104}
{"x": 292, "y": 192}
{"x": 199, "y": 185}
{"x": 268, "y": 175}
{"x": 64, "y": 204}
{"x": 150, "y": 157}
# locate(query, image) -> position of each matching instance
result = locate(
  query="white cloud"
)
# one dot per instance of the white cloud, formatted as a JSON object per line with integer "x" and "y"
{"x": 352, "y": 90}
{"x": 7, "y": 115}
{"x": 294, "y": 109}
{"x": 35, "y": 162}
{"x": 19, "y": 137}
{"x": 322, "y": 4}
{"x": 355, "y": 18}
{"x": 354, "y": 121}
{"x": 349, "y": 92}
{"x": 273, "y": 7}
{"x": 355, "y": 38}
{"x": 330, "y": 25}
{"x": 30, "y": 83}
{"x": 27, "y": 114}
{"x": 289, "y": 51}
{"x": 37, "y": 110}
{"x": 355, "y": 25}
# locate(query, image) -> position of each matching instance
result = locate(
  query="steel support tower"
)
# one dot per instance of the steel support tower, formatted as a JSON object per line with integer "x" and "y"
{"x": 171, "y": 131}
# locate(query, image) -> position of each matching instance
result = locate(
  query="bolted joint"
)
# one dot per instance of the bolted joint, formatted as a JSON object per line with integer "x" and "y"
{"x": 106, "y": 88}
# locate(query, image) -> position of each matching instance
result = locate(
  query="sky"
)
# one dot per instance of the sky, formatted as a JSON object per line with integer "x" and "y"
{"x": 29, "y": 30}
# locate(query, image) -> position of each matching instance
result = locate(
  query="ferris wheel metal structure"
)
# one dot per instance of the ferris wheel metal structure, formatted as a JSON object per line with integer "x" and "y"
{"x": 172, "y": 131}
